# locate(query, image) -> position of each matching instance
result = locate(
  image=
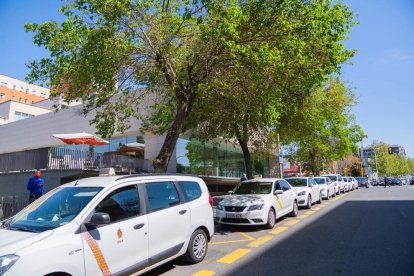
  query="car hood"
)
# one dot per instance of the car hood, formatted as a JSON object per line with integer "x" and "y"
{"x": 243, "y": 200}
{"x": 300, "y": 189}
{"x": 12, "y": 241}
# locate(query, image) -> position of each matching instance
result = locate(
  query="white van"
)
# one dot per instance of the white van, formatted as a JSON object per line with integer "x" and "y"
{"x": 109, "y": 226}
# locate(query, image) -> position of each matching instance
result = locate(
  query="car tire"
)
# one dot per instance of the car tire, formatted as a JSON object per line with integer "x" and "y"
{"x": 271, "y": 219}
{"x": 320, "y": 198}
{"x": 309, "y": 203}
{"x": 197, "y": 247}
{"x": 295, "y": 210}
{"x": 327, "y": 195}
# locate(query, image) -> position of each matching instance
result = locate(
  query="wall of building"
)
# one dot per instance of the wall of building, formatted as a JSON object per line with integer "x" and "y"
{"x": 24, "y": 87}
{"x": 153, "y": 144}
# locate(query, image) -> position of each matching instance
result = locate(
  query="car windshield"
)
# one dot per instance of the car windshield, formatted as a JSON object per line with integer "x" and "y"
{"x": 298, "y": 182}
{"x": 52, "y": 210}
{"x": 332, "y": 177}
{"x": 320, "y": 181}
{"x": 360, "y": 179}
{"x": 253, "y": 187}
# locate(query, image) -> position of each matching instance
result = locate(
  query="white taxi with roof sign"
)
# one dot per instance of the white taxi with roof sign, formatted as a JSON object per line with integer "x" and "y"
{"x": 109, "y": 226}
{"x": 258, "y": 202}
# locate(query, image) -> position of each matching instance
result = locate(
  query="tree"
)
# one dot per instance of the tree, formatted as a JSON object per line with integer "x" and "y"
{"x": 298, "y": 43}
{"x": 322, "y": 128}
{"x": 389, "y": 164}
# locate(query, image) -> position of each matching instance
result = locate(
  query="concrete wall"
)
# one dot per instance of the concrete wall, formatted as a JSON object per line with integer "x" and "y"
{"x": 23, "y": 86}
{"x": 153, "y": 144}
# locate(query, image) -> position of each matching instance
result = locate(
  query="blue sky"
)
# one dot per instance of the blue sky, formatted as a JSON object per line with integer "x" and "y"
{"x": 381, "y": 75}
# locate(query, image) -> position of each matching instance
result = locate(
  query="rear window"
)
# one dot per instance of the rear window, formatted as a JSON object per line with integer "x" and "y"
{"x": 191, "y": 190}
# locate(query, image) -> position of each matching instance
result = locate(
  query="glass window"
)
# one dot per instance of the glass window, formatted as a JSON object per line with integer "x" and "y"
{"x": 285, "y": 185}
{"x": 121, "y": 204}
{"x": 278, "y": 186}
{"x": 2, "y": 96}
{"x": 297, "y": 182}
{"x": 162, "y": 195}
{"x": 191, "y": 190}
{"x": 320, "y": 180}
{"x": 253, "y": 187}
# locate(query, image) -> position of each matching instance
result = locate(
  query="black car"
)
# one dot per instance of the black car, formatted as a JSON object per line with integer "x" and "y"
{"x": 412, "y": 181}
{"x": 396, "y": 181}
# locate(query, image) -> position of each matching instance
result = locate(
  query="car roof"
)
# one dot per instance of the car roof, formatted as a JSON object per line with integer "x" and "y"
{"x": 263, "y": 180}
{"x": 103, "y": 181}
{"x": 299, "y": 177}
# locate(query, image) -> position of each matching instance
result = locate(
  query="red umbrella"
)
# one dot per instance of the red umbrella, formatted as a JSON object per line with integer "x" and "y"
{"x": 81, "y": 139}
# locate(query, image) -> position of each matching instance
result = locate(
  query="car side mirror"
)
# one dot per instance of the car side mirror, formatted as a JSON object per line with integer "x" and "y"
{"x": 98, "y": 219}
{"x": 230, "y": 192}
{"x": 278, "y": 192}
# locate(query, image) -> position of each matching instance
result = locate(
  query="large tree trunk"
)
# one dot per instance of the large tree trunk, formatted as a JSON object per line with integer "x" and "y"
{"x": 167, "y": 149}
{"x": 247, "y": 157}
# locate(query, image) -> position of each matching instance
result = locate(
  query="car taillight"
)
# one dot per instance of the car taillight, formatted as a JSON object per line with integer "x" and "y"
{"x": 210, "y": 200}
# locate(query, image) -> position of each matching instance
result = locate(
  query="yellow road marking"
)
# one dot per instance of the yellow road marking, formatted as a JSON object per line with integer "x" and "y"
{"x": 302, "y": 216}
{"x": 317, "y": 208}
{"x": 292, "y": 222}
{"x": 310, "y": 213}
{"x": 246, "y": 236}
{"x": 259, "y": 241}
{"x": 234, "y": 256}
{"x": 204, "y": 273}
{"x": 226, "y": 242}
{"x": 278, "y": 230}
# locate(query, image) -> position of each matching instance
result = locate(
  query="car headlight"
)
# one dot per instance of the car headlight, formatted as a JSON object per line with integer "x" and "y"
{"x": 220, "y": 207}
{"x": 302, "y": 193}
{"x": 255, "y": 207}
{"x": 6, "y": 262}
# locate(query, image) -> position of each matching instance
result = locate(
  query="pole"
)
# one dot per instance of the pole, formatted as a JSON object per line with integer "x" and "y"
{"x": 280, "y": 157}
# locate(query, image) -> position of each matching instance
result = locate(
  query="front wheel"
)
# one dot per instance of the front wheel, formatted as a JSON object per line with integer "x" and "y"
{"x": 197, "y": 247}
{"x": 271, "y": 219}
{"x": 309, "y": 204}
{"x": 295, "y": 210}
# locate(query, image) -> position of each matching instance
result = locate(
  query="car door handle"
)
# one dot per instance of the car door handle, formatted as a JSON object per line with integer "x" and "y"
{"x": 138, "y": 226}
{"x": 182, "y": 212}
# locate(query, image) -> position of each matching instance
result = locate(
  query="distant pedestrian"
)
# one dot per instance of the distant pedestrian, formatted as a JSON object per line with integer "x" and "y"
{"x": 386, "y": 182}
{"x": 243, "y": 178}
{"x": 35, "y": 185}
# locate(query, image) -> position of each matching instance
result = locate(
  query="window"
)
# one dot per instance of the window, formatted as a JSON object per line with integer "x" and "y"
{"x": 190, "y": 189}
{"x": 2, "y": 96}
{"x": 121, "y": 204}
{"x": 285, "y": 185}
{"x": 162, "y": 195}
{"x": 20, "y": 115}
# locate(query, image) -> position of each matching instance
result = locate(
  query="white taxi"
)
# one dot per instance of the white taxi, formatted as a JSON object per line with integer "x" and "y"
{"x": 258, "y": 202}
{"x": 326, "y": 186}
{"x": 307, "y": 189}
{"x": 109, "y": 226}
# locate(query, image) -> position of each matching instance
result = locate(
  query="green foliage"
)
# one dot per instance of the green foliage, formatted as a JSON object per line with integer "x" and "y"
{"x": 322, "y": 128}
{"x": 390, "y": 164}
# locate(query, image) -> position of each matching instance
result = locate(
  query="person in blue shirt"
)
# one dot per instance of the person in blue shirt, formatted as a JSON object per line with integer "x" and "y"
{"x": 36, "y": 186}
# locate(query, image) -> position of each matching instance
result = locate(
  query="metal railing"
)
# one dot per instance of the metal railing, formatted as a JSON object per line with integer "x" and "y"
{"x": 12, "y": 204}
{"x": 63, "y": 158}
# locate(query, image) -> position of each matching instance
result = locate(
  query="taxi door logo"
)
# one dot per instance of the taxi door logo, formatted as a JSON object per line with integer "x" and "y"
{"x": 119, "y": 234}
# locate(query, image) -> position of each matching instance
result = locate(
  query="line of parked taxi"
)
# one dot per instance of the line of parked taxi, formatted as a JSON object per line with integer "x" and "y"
{"x": 263, "y": 201}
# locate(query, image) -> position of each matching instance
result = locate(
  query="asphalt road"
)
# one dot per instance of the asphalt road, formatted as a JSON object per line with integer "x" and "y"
{"x": 364, "y": 232}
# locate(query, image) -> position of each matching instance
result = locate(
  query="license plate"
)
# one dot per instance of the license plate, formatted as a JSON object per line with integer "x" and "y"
{"x": 233, "y": 215}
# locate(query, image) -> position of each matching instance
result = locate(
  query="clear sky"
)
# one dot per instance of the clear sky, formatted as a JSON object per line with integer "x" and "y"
{"x": 381, "y": 76}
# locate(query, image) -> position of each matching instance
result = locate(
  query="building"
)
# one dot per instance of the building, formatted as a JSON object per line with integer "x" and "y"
{"x": 21, "y": 91}
{"x": 11, "y": 111}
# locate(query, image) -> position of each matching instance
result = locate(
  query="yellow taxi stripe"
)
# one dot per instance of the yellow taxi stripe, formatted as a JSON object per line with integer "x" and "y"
{"x": 234, "y": 256}
{"x": 279, "y": 202}
{"x": 292, "y": 222}
{"x": 97, "y": 253}
{"x": 204, "y": 273}
{"x": 278, "y": 230}
{"x": 259, "y": 241}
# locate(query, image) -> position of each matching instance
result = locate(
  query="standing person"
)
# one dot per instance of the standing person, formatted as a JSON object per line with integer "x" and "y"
{"x": 36, "y": 186}
{"x": 243, "y": 178}
{"x": 386, "y": 182}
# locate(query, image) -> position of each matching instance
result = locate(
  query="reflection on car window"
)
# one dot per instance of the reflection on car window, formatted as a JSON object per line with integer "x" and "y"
{"x": 55, "y": 209}
{"x": 298, "y": 182}
{"x": 253, "y": 187}
{"x": 121, "y": 204}
{"x": 320, "y": 180}
{"x": 285, "y": 185}
{"x": 190, "y": 189}
{"x": 162, "y": 195}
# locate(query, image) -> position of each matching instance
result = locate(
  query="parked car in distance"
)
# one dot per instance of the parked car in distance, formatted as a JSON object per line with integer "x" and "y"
{"x": 115, "y": 225}
{"x": 307, "y": 189}
{"x": 411, "y": 180}
{"x": 258, "y": 202}
{"x": 396, "y": 181}
{"x": 326, "y": 186}
{"x": 337, "y": 180}
{"x": 362, "y": 181}
{"x": 347, "y": 184}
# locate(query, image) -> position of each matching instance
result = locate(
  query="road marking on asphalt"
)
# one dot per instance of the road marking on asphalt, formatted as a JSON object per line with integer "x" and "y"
{"x": 234, "y": 256}
{"x": 302, "y": 216}
{"x": 292, "y": 222}
{"x": 204, "y": 273}
{"x": 250, "y": 238}
{"x": 259, "y": 241}
{"x": 317, "y": 208}
{"x": 278, "y": 230}
{"x": 310, "y": 213}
